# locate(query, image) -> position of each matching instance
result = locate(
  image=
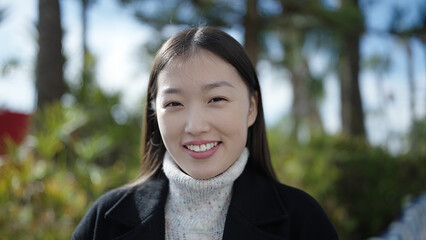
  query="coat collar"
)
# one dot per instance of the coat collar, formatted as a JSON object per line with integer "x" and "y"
{"x": 251, "y": 193}
{"x": 255, "y": 203}
{"x": 141, "y": 209}
{"x": 140, "y": 202}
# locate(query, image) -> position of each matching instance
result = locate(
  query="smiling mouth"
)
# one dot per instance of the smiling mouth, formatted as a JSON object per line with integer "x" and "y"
{"x": 202, "y": 147}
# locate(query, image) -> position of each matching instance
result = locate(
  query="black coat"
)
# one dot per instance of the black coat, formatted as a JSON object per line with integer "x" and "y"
{"x": 260, "y": 208}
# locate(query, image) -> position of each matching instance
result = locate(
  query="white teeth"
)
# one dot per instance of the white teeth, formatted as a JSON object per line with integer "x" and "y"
{"x": 202, "y": 147}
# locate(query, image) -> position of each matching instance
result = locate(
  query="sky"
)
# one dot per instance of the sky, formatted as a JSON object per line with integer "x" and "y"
{"x": 115, "y": 38}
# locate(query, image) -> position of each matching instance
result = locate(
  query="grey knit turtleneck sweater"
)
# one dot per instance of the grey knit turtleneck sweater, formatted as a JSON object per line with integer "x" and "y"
{"x": 196, "y": 209}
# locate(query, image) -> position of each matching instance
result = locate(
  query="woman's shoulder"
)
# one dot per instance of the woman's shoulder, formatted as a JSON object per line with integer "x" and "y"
{"x": 263, "y": 199}
{"x": 110, "y": 198}
{"x": 120, "y": 209}
{"x": 295, "y": 197}
{"x": 305, "y": 211}
{"x": 131, "y": 192}
{"x": 95, "y": 215}
{"x": 291, "y": 196}
{"x": 253, "y": 185}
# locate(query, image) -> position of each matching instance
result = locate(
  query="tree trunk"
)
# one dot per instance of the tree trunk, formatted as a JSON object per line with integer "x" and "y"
{"x": 84, "y": 13}
{"x": 300, "y": 104}
{"x": 86, "y": 72}
{"x": 304, "y": 108}
{"x": 252, "y": 28}
{"x": 50, "y": 83}
{"x": 352, "y": 113}
{"x": 412, "y": 96}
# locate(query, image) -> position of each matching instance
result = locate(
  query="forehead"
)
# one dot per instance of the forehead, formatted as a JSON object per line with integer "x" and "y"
{"x": 200, "y": 68}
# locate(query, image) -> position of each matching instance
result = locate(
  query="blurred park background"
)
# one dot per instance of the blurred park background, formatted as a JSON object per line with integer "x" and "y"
{"x": 344, "y": 83}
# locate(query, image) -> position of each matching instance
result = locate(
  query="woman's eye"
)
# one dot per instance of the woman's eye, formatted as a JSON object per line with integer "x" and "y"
{"x": 172, "y": 104}
{"x": 217, "y": 99}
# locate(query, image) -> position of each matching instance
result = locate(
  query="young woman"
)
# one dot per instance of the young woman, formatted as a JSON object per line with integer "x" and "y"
{"x": 206, "y": 171}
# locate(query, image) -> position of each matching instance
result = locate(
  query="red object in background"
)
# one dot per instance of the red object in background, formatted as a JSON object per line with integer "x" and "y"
{"x": 13, "y": 125}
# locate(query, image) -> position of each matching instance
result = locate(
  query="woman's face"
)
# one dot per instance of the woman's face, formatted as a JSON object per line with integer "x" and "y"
{"x": 204, "y": 111}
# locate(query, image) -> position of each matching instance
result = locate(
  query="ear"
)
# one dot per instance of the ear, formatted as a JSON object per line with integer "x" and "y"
{"x": 252, "y": 115}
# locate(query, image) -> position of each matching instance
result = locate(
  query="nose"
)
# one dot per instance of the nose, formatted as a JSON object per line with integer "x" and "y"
{"x": 196, "y": 122}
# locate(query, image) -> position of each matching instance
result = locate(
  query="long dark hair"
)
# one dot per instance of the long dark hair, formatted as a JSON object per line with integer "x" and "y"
{"x": 184, "y": 45}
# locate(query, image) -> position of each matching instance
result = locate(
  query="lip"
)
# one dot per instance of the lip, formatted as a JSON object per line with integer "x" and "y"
{"x": 201, "y": 155}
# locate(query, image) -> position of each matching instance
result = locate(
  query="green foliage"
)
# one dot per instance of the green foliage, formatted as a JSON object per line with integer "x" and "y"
{"x": 362, "y": 188}
{"x": 417, "y": 137}
{"x": 74, "y": 155}
{"x": 38, "y": 199}
{"x": 53, "y": 127}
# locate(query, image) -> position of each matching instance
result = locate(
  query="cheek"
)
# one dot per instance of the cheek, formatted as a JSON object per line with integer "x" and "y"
{"x": 233, "y": 122}
{"x": 168, "y": 127}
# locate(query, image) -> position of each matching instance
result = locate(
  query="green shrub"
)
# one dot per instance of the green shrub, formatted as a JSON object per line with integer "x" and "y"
{"x": 48, "y": 183}
{"x": 39, "y": 199}
{"x": 362, "y": 188}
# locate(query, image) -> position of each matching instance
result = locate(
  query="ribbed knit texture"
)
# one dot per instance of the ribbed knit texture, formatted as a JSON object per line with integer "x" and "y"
{"x": 196, "y": 209}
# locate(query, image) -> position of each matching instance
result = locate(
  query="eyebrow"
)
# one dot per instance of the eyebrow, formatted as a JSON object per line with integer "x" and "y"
{"x": 206, "y": 87}
{"x": 211, "y": 86}
{"x": 172, "y": 91}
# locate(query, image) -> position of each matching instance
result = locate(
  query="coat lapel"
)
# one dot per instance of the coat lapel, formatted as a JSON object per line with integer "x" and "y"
{"x": 256, "y": 210}
{"x": 141, "y": 209}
